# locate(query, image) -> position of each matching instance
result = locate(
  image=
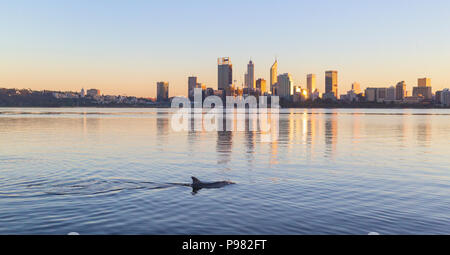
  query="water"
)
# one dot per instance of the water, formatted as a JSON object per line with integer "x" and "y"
{"x": 108, "y": 171}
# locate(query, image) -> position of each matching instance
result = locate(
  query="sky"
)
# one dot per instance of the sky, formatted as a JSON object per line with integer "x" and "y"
{"x": 125, "y": 47}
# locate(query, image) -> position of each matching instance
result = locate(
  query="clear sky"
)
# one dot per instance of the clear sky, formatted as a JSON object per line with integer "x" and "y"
{"x": 125, "y": 47}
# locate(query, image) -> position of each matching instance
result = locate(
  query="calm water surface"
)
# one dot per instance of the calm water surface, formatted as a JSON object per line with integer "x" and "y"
{"x": 105, "y": 171}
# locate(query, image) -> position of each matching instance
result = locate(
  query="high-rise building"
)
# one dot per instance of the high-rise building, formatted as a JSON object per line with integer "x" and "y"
{"x": 162, "y": 91}
{"x": 246, "y": 80}
{"x": 356, "y": 87}
{"x": 424, "y": 82}
{"x": 424, "y": 92}
{"x": 273, "y": 76}
{"x": 445, "y": 97}
{"x": 390, "y": 94}
{"x": 192, "y": 84}
{"x": 438, "y": 97}
{"x": 371, "y": 94}
{"x": 331, "y": 82}
{"x": 261, "y": 86}
{"x": 311, "y": 84}
{"x": 400, "y": 90}
{"x": 381, "y": 95}
{"x": 285, "y": 85}
{"x": 250, "y": 77}
{"x": 423, "y": 89}
{"x": 225, "y": 73}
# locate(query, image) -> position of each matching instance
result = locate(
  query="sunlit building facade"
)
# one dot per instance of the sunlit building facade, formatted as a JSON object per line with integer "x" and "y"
{"x": 423, "y": 89}
{"x": 285, "y": 85}
{"x": 424, "y": 82}
{"x": 331, "y": 82}
{"x": 311, "y": 84}
{"x": 273, "y": 76}
{"x": 356, "y": 87}
{"x": 261, "y": 86}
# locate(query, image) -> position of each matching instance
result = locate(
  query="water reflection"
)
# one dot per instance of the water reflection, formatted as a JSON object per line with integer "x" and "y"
{"x": 250, "y": 137}
{"x": 330, "y": 135}
{"x": 424, "y": 131}
{"x": 162, "y": 129}
{"x": 162, "y": 123}
{"x": 224, "y": 144}
{"x": 310, "y": 130}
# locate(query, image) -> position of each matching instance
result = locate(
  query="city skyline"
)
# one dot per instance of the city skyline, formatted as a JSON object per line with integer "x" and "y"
{"x": 124, "y": 51}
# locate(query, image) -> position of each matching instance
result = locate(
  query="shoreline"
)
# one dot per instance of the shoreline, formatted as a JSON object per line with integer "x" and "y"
{"x": 298, "y": 107}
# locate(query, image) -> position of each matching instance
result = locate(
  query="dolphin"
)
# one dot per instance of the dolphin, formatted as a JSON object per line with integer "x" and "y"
{"x": 198, "y": 185}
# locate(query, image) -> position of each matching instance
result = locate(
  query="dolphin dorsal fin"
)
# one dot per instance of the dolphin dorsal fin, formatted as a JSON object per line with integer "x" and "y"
{"x": 195, "y": 180}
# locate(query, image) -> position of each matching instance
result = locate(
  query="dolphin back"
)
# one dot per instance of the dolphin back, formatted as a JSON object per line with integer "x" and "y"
{"x": 195, "y": 181}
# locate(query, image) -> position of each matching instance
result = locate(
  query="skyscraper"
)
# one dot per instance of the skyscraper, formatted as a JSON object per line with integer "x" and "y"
{"x": 261, "y": 86}
{"x": 424, "y": 82}
{"x": 423, "y": 89}
{"x": 162, "y": 91}
{"x": 311, "y": 84}
{"x": 400, "y": 90}
{"x": 390, "y": 94}
{"x": 273, "y": 76}
{"x": 331, "y": 82}
{"x": 285, "y": 85}
{"x": 225, "y": 73}
{"x": 250, "y": 75}
{"x": 192, "y": 83}
{"x": 356, "y": 87}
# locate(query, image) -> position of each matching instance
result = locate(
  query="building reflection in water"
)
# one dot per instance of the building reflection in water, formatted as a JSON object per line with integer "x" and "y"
{"x": 91, "y": 126}
{"x": 424, "y": 130}
{"x": 162, "y": 129}
{"x": 330, "y": 135}
{"x": 224, "y": 142}
{"x": 162, "y": 123}
{"x": 356, "y": 127}
{"x": 309, "y": 123}
{"x": 250, "y": 124}
{"x": 401, "y": 130}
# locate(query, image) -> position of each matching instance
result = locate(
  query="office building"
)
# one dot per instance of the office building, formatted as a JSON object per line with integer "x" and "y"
{"x": 371, "y": 94}
{"x": 381, "y": 95}
{"x": 390, "y": 94}
{"x": 445, "y": 97}
{"x": 225, "y": 73}
{"x": 250, "y": 76}
{"x": 261, "y": 86}
{"x": 356, "y": 87}
{"x": 423, "y": 89}
{"x": 192, "y": 84}
{"x": 310, "y": 84}
{"x": 424, "y": 82}
{"x": 273, "y": 77}
{"x": 331, "y": 82}
{"x": 424, "y": 92}
{"x": 162, "y": 91}
{"x": 285, "y": 85}
{"x": 400, "y": 91}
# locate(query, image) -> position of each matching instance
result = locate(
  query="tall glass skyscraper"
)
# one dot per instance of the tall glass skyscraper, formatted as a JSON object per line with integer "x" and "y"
{"x": 273, "y": 75}
{"x": 331, "y": 82}
{"x": 225, "y": 73}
